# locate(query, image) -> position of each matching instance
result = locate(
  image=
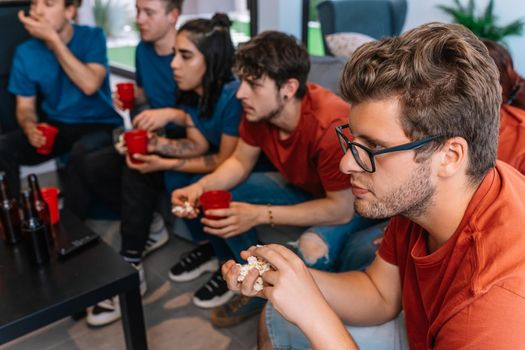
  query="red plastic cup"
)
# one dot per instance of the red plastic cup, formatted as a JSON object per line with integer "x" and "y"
{"x": 215, "y": 200}
{"x": 126, "y": 94}
{"x": 136, "y": 142}
{"x": 50, "y": 195}
{"x": 50, "y": 133}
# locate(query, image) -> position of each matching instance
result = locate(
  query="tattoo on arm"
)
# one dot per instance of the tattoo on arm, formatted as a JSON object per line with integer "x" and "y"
{"x": 209, "y": 161}
{"x": 180, "y": 164}
{"x": 178, "y": 148}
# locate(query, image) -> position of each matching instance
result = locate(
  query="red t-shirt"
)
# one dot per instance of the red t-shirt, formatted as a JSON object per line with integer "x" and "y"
{"x": 309, "y": 157}
{"x": 511, "y": 147}
{"x": 470, "y": 293}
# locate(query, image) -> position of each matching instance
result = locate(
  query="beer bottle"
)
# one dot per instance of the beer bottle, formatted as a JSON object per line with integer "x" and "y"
{"x": 9, "y": 215}
{"x": 34, "y": 231}
{"x": 41, "y": 206}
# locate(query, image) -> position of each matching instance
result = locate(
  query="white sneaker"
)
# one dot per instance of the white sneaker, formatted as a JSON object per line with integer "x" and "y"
{"x": 105, "y": 312}
{"x": 158, "y": 235}
{"x": 108, "y": 311}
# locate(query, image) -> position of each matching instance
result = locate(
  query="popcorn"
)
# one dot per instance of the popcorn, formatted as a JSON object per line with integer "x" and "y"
{"x": 254, "y": 263}
{"x": 186, "y": 209}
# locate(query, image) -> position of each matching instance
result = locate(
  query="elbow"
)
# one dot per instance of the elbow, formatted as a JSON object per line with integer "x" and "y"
{"x": 344, "y": 217}
{"x": 89, "y": 90}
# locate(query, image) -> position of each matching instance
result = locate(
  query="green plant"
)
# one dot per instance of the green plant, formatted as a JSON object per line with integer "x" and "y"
{"x": 484, "y": 26}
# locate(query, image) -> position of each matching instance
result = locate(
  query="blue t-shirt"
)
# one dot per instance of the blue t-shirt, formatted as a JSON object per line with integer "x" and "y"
{"x": 154, "y": 75}
{"x": 36, "y": 70}
{"x": 225, "y": 118}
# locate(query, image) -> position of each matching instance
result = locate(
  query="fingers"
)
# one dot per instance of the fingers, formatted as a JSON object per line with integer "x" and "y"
{"x": 230, "y": 272}
{"x": 279, "y": 256}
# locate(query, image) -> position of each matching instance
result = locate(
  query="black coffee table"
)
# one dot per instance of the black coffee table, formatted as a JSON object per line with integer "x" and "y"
{"x": 32, "y": 297}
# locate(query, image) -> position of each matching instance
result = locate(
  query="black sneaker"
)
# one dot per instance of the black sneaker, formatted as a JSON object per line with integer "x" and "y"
{"x": 214, "y": 293}
{"x": 194, "y": 264}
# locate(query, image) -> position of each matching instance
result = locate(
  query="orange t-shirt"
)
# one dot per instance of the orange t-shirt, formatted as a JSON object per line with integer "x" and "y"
{"x": 511, "y": 147}
{"x": 470, "y": 293}
{"x": 309, "y": 157}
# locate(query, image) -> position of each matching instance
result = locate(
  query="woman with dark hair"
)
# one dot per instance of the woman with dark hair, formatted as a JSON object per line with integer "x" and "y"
{"x": 511, "y": 146}
{"x": 202, "y": 68}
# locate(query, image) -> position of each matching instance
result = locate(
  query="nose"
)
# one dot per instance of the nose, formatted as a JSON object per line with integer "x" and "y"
{"x": 140, "y": 17}
{"x": 348, "y": 164}
{"x": 174, "y": 63}
{"x": 241, "y": 92}
{"x": 37, "y": 7}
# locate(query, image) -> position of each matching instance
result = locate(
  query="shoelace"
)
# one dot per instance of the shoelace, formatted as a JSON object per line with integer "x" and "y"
{"x": 238, "y": 303}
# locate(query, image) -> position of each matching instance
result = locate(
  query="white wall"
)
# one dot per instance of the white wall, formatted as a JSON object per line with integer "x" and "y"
{"x": 423, "y": 11}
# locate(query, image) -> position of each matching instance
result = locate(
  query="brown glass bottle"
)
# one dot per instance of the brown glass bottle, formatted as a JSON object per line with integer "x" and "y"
{"x": 41, "y": 206}
{"x": 9, "y": 214}
{"x": 34, "y": 231}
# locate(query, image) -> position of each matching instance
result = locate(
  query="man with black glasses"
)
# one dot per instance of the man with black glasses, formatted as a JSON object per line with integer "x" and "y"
{"x": 424, "y": 120}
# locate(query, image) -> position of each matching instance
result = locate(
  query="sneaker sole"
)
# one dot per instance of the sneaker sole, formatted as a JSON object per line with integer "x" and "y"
{"x": 157, "y": 245}
{"x": 210, "y": 266}
{"x": 99, "y": 323}
{"x": 217, "y": 301}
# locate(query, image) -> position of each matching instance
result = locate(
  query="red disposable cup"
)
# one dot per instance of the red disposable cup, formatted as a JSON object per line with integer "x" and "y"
{"x": 126, "y": 94}
{"x": 50, "y": 133}
{"x": 136, "y": 142}
{"x": 50, "y": 195}
{"x": 215, "y": 200}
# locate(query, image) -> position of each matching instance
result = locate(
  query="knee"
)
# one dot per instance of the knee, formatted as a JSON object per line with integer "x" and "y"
{"x": 312, "y": 247}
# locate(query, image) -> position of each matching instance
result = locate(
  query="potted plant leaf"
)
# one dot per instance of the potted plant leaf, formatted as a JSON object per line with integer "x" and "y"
{"x": 484, "y": 25}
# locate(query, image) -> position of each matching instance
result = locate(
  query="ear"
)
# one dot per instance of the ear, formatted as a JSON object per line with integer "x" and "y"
{"x": 71, "y": 12}
{"x": 289, "y": 88}
{"x": 453, "y": 157}
{"x": 174, "y": 16}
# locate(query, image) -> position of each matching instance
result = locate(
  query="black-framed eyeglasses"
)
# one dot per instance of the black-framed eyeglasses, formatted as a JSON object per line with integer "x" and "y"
{"x": 364, "y": 156}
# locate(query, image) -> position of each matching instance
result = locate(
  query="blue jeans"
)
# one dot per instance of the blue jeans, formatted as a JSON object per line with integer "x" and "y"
{"x": 270, "y": 187}
{"x": 388, "y": 336}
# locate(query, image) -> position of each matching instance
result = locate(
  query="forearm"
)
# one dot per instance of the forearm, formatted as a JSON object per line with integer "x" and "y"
{"x": 181, "y": 148}
{"x": 326, "y": 331}
{"x": 228, "y": 175}
{"x": 317, "y": 212}
{"x": 355, "y": 297}
{"x": 26, "y": 116}
{"x": 87, "y": 80}
{"x": 199, "y": 165}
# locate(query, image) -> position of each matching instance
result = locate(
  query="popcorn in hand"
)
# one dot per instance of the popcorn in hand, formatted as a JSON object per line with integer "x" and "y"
{"x": 254, "y": 263}
{"x": 186, "y": 209}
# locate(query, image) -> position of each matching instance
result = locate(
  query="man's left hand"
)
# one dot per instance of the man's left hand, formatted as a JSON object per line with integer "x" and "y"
{"x": 238, "y": 218}
{"x": 38, "y": 26}
{"x": 150, "y": 163}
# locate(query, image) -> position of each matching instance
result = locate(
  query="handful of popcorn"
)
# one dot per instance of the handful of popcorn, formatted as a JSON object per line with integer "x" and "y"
{"x": 254, "y": 263}
{"x": 186, "y": 209}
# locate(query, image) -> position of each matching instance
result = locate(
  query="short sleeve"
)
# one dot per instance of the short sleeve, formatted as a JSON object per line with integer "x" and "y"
{"x": 138, "y": 67}
{"x": 97, "y": 52}
{"x": 387, "y": 250}
{"x": 232, "y": 116}
{"x": 328, "y": 158}
{"x": 247, "y": 132}
{"x": 20, "y": 82}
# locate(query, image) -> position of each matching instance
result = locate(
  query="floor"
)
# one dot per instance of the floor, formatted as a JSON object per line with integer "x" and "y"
{"x": 172, "y": 321}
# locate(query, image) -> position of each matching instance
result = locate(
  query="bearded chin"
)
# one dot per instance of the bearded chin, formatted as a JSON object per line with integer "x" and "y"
{"x": 411, "y": 199}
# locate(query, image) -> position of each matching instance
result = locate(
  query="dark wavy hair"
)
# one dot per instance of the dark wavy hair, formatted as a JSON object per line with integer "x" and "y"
{"x": 512, "y": 84}
{"x": 212, "y": 39}
{"x": 276, "y": 55}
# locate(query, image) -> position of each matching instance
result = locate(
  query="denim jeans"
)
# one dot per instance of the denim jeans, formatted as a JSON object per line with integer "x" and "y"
{"x": 388, "y": 336}
{"x": 270, "y": 187}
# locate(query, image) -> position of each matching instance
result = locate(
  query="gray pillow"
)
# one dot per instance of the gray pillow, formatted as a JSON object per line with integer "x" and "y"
{"x": 326, "y": 71}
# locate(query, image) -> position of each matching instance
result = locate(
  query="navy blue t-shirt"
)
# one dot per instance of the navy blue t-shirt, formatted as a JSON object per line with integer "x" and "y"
{"x": 225, "y": 118}
{"x": 36, "y": 69}
{"x": 154, "y": 75}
